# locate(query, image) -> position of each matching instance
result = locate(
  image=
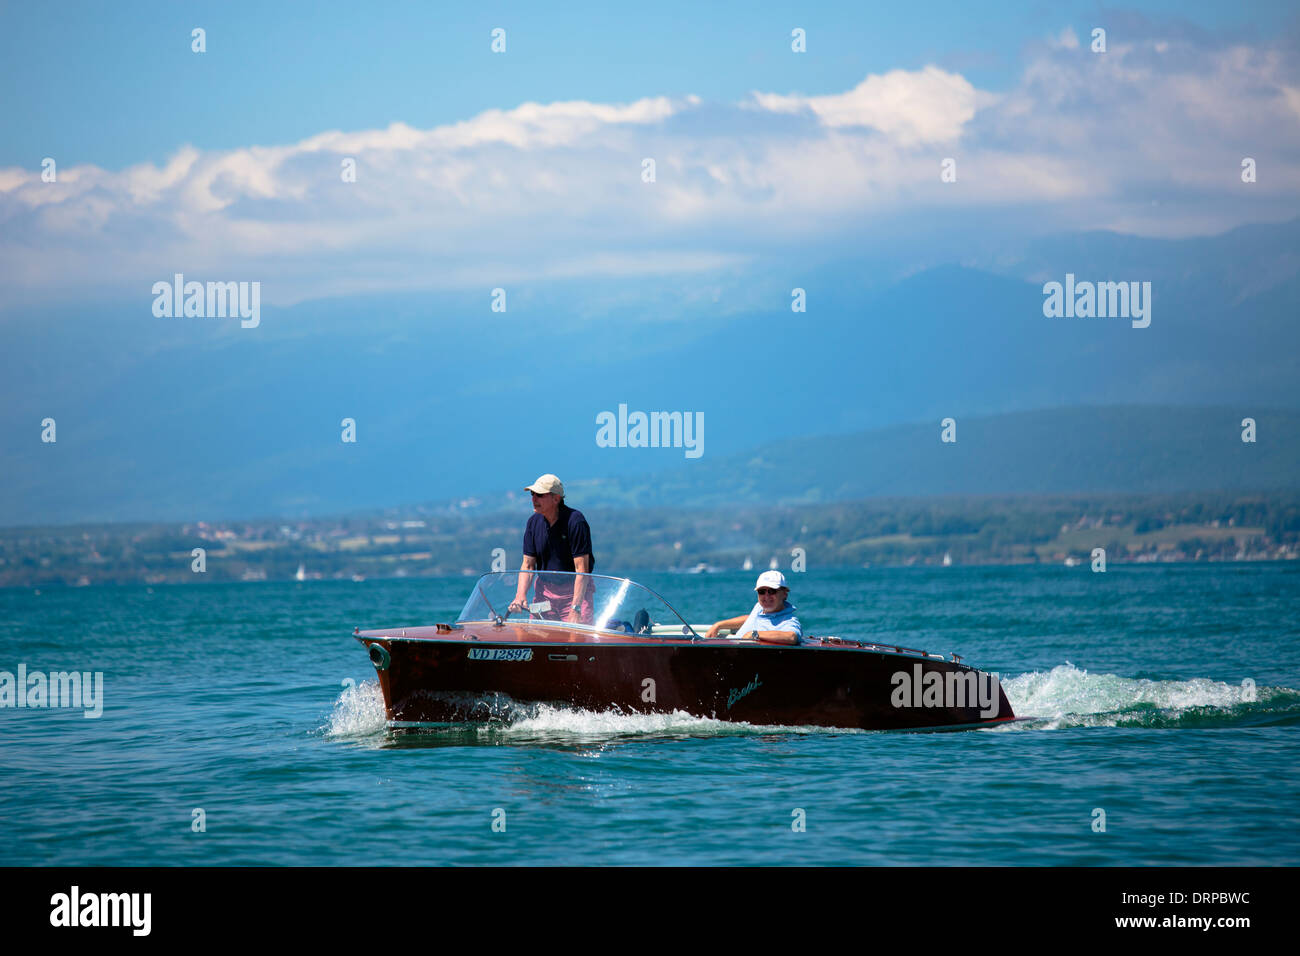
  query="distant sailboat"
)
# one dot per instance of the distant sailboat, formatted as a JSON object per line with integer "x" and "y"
{"x": 947, "y": 560}
{"x": 302, "y": 573}
{"x": 748, "y": 565}
{"x": 773, "y": 564}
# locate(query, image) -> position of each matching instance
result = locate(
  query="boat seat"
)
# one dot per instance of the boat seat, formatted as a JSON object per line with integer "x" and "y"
{"x": 664, "y": 630}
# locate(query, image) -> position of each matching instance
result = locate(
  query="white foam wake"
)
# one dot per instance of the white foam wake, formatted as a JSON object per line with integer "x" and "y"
{"x": 1066, "y": 695}
{"x": 358, "y": 712}
{"x": 547, "y": 721}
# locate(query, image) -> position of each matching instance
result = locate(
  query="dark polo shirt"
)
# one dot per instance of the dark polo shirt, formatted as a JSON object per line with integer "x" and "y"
{"x": 555, "y": 545}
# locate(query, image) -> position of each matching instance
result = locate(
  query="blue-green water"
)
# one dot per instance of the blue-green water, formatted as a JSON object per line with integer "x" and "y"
{"x": 253, "y": 703}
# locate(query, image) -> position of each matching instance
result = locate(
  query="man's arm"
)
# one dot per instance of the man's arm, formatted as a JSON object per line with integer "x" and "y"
{"x": 580, "y": 543}
{"x": 790, "y": 632}
{"x": 529, "y": 563}
{"x": 730, "y": 623}
{"x": 777, "y": 637}
{"x": 581, "y": 564}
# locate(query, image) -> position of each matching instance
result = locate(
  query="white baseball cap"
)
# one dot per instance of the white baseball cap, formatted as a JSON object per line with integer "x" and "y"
{"x": 770, "y": 579}
{"x": 547, "y": 484}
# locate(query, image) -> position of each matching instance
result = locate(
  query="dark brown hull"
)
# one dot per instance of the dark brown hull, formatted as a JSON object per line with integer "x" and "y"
{"x": 439, "y": 678}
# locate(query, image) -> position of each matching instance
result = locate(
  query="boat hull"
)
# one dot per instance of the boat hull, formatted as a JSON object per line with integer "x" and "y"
{"x": 484, "y": 674}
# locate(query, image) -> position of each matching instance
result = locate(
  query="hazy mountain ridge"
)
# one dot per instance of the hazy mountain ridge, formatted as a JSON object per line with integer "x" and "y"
{"x": 1101, "y": 450}
{"x": 185, "y": 419}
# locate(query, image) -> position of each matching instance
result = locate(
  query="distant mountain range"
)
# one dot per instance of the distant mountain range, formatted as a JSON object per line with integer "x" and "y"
{"x": 1100, "y": 450}
{"x": 187, "y": 419}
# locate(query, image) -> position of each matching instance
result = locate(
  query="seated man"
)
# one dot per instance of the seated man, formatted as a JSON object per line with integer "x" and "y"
{"x": 772, "y": 620}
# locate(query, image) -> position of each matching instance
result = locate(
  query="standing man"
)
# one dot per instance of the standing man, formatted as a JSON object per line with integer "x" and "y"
{"x": 556, "y": 538}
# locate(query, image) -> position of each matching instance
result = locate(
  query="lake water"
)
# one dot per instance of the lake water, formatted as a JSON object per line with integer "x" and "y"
{"x": 253, "y": 704}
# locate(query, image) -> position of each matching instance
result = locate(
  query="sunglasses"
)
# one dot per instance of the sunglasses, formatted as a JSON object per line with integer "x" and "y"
{"x": 764, "y": 592}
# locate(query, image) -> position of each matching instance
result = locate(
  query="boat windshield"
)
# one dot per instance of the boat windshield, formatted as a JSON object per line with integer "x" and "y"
{"x": 575, "y": 600}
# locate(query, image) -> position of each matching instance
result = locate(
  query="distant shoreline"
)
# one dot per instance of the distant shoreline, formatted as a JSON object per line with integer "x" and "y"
{"x": 619, "y": 573}
{"x": 877, "y": 533}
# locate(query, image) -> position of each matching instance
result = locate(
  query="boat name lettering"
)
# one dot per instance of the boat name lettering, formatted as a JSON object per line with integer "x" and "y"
{"x": 736, "y": 694}
{"x": 501, "y": 653}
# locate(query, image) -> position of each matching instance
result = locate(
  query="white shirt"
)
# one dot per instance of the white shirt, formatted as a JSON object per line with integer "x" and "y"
{"x": 782, "y": 619}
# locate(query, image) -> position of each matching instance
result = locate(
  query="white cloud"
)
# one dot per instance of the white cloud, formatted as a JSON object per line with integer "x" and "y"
{"x": 1067, "y": 39}
{"x": 929, "y": 106}
{"x": 554, "y": 190}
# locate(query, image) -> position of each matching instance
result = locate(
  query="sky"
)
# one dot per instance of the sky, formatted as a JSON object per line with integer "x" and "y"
{"x": 482, "y": 169}
{"x": 650, "y": 194}
{"x": 117, "y": 84}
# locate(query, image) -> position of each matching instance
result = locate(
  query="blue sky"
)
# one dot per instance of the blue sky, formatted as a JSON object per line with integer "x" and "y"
{"x": 116, "y": 83}
{"x": 528, "y": 172}
{"x": 477, "y": 170}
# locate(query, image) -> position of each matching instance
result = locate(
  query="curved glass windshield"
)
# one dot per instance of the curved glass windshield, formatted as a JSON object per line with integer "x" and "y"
{"x": 581, "y": 600}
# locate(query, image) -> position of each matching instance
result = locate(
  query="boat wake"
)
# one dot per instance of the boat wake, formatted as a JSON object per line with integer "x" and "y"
{"x": 546, "y": 722}
{"x": 1067, "y": 697}
{"x": 358, "y": 714}
{"x": 1064, "y": 697}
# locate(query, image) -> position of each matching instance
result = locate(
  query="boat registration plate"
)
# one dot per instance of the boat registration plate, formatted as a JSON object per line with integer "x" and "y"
{"x": 501, "y": 653}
